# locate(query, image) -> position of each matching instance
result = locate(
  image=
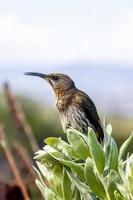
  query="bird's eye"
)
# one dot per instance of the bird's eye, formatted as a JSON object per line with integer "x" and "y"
{"x": 55, "y": 78}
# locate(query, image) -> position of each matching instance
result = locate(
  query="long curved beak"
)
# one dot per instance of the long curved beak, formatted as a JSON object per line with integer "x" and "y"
{"x": 36, "y": 74}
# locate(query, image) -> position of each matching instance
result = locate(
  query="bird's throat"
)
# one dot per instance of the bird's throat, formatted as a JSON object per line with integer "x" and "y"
{"x": 64, "y": 99}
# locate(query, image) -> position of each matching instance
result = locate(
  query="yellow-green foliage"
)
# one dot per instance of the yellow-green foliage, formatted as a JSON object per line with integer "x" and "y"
{"x": 83, "y": 169}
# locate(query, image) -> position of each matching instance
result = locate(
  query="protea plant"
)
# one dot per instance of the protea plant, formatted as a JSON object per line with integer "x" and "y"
{"x": 84, "y": 169}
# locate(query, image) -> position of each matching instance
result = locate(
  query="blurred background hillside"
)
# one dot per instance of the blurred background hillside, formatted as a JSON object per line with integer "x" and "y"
{"x": 92, "y": 41}
{"x": 110, "y": 86}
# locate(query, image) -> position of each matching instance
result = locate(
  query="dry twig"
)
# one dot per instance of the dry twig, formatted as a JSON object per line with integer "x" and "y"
{"x": 12, "y": 164}
{"x": 19, "y": 117}
{"x": 25, "y": 158}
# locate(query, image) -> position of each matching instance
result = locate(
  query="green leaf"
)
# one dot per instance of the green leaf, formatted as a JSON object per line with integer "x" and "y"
{"x": 76, "y": 167}
{"x": 113, "y": 157}
{"x": 82, "y": 190}
{"x": 78, "y": 195}
{"x": 93, "y": 180}
{"x": 46, "y": 192}
{"x": 41, "y": 187}
{"x": 49, "y": 194}
{"x": 60, "y": 145}
{"x": 66, "y": 187}
{"x": 78, "y": 144}
{"x": 130, "y": 184}
{"x": 40, "y": 177}
{"x": 45, "y": 155}
{"x": 57, "y": 179}
{"x": 109, "y": 129}
{"x": 39, "y": 155}
{"x": 96, "y": 151}
{"x": 55, "y": 157}
{"x": 89, "y": 197}
{"x": 112, "y": 179}
{"x": 124, "y": 146}
{"x": 107, "y": 139}
{"x": 47, "y": 178}
{"x": 52, "y": 141}
{"x": 118, "y": 196}
{"x": 121, "y": 188}
{"x": 81, "y": 186}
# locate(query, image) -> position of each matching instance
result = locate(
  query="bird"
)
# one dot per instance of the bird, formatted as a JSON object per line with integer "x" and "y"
{"x": 76, "y": 108}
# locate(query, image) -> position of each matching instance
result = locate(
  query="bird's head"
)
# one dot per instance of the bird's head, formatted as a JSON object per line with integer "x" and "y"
{"x": 59, "y": 82}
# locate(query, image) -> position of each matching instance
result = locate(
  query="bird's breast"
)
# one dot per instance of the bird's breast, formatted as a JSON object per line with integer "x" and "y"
{"x": 74, "y": 117}
{"x": 63, "y": 102}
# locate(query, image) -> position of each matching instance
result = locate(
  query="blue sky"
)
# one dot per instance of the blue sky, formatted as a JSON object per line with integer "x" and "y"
{"x": 59, "y": 31}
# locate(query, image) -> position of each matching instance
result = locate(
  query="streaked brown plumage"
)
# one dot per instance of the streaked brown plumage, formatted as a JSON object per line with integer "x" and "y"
{"x": 76, "y": 109}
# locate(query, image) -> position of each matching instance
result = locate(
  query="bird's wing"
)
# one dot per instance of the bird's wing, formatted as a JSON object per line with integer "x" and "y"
{"x": 91, "y": 112}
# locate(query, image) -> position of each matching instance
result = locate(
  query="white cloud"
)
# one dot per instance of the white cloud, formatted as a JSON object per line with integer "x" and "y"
{"x": 122, "y": 40}
{"x": 7, "y": 25}
{"x": 68, "y": 35}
